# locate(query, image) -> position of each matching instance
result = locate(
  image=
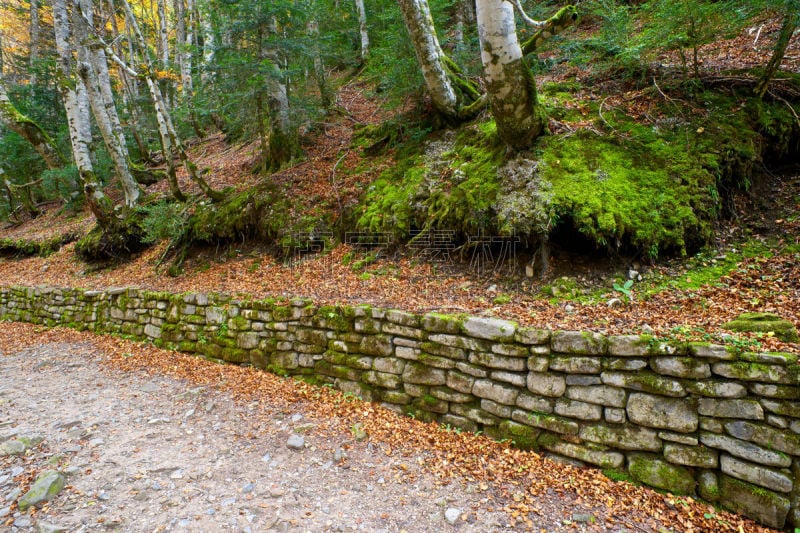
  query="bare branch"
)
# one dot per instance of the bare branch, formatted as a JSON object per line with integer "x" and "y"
{"x": 529, "y": 21}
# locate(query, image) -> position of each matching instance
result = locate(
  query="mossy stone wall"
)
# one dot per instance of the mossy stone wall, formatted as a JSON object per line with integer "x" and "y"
{"x": 693, "y": 419}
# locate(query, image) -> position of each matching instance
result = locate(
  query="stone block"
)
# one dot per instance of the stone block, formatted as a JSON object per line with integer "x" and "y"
{"x": 576, "y": 365}
{"x": 532, "y": 336}
{"x": 576, "y": 409}
{"x": 436, "y": 361}
{"x": 662, "y": 413}
{"x": 381, "y": 379}
{"x": 460, "y": 382}
{"x": 681, "y": 367}
{"x": 766, "y": 507}
{"x": 625, "y": 437}
{"x": 784, "y": 392}
{"x": 402, "y": 331}
{"x": 247, "y": 340}
{"x": 404, "y": 352}
{"x": 614, "y": 415}
{"x": 717, "y": 389}
{"x": 460, "y": 422}
{"x": 516, "y": 379}
{"x": 554, "y": 424}
{"x": 390, "y": 365}
{"x": 535, "y": 403}
{"x": 578, "y": 342}
{"x": 582, "y": 380}
{"x": 457, "y": 341}
{"x": 499, "y": 410}
{"x": 602, "y": 458}
{"x": 632, "y": 365}
{"x": 490, "y": 360}
{"x": 711, "y": 351}
{"x": 754, "y": 372}
{"x": 420, "y": 374}
{"x": 696, "y": 456}
{"x": 645, "y": 382}
{"x": 438, "y": 323}
{"x": 598, "y": 394}
{"x": 512, "y": 350}
{"x": 450, "y": 395}
{"x": 471, "y": 370}
{"x": 658, "y": 473}
{"x": 492, "y": 329}
{"x": 546, "y": 384}
{"x": 402, "y": 318}
{"x": 379, "y": 345}
{"x": 768, "y": 437}
{"x": 490, "y": 390}
{"x": 680, "y": 438}
{"x": 629, "y": 345}
{"x": 538, "y": 363}
{"x": 756, "y": 474}
{"x": 745, "y": 450}
{"x": 740, "y": 408}
{"x": 785, "y": 408}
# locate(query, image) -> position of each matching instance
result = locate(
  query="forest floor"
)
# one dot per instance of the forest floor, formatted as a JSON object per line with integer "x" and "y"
{"x": 157, "y": 441}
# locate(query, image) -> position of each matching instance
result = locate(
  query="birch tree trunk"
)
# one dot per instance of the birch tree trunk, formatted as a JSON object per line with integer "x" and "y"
{"x": 163, "y": 34}
{"x": 29, "y": 130}
{"x": 509, "y": 82}
{"x": 169, "y": 136}
{"x": 362, "y": 28}
{"x": 76, "y": 105}
{"x": 93, "y": 70}
{"x": 455, "y": 97}
{"x": 35, "y": 36}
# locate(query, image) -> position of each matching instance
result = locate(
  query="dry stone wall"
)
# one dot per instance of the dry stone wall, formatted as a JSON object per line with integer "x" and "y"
{"x": 690, "y": 418}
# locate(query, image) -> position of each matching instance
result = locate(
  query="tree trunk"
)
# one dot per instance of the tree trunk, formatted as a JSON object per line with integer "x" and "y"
{"x": 454, "y": 96}
{"x": 169, "y": 136}
{"x": 93, "y": 70}
{"x": 35, "y": 36}
{"x": 29, "y": 130}
{"x": 283, "y": 141}
{"x": 326, "y": 98}
{"x": 791, "y": 18}
{"x": 362, "y": 28}
{"x": 509, "y": 82}
{"x": 163, "y": 35}
{"x": 76, "y": 105}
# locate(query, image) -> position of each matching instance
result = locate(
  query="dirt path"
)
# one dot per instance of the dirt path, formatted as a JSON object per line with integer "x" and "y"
{"x": 150, "y": 452}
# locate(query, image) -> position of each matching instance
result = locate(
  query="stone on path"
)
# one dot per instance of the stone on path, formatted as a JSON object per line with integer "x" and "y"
{"x": 451, "y": 515}
{"x": 44, "y": 489}
{"x": 295, "y": 442}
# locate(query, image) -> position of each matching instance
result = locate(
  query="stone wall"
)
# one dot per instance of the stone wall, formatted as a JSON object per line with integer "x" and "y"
{"x": 692, "y": 419}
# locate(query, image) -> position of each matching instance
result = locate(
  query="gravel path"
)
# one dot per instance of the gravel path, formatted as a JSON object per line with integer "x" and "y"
{"x": 144, "y": 453}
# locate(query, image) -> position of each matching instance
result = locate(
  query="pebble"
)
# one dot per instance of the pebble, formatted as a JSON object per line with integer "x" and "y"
{"x": 582, "y": 517}
{"x": 295, "y": 442}
{"x": 266, "y": 457}
{"x": 250, "y": 487}
{"x": 4, "y": 511}
{"x": 22, "y": 521}
{"x": 451, "y": 515}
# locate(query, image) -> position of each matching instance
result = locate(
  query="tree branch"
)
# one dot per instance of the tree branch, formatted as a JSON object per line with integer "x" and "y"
{"x": 529, "y": 21}
{"x": 565, "y": 17}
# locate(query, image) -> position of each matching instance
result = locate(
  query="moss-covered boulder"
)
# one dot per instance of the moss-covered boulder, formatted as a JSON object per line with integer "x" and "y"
{"x": 764, "y": 323}
{"x": 44, "y": 489}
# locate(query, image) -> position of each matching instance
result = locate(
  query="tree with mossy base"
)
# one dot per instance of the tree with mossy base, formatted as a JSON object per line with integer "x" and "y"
{"x": 510, "y": 88}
